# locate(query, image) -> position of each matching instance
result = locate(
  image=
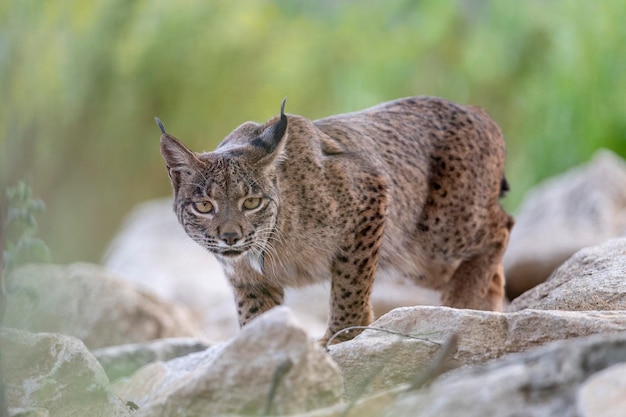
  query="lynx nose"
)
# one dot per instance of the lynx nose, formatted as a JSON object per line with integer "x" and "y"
{"x": 230, "y": 238}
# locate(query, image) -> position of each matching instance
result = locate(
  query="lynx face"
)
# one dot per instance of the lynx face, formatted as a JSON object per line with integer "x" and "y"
{"x": 227, "y": 200}
{"x": 228, "y": 210}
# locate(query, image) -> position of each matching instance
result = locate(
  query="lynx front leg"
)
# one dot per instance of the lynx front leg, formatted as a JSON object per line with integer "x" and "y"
{"x": 352, "y": 278}
{"x": 254, "y": 299}
{"x": 350, "y": 296}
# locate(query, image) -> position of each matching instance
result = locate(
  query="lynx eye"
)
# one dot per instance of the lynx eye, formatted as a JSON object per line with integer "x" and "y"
{"x": 203, "y": 207}
{"x": 251, "y": 203}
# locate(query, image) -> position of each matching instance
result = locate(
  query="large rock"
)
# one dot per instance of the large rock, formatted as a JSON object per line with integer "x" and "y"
{"x": 88, "y": 302}
{"x": 124, "y": 360}
{"x": 593, "y": 279}
{"x": 582, "y": 207}
{"x": 237, "y": 377}
{"x": 377, "y": 360}
{"x": 604, "y": 394}
{"x": 52, "y": 374}
{"x": 543, "y": 382}
{"x": 153, "y": 252}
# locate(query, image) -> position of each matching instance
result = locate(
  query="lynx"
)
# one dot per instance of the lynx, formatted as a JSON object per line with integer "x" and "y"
{"x": 408, "y": 188}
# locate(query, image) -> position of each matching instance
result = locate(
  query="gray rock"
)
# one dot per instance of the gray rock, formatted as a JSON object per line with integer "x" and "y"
{"x": 237, "y": 377}
{"x": 543, "y": 382}
{"x": 124, "y": 360}
{"x": 88, "y": 302}
{"x": 371, "y": 406}
{"x": 152, "y": 252}
{"x": 604, "y": 393}
{"x": 52, "y": 374}
{"x": 582, "y": 207}
{"x": 377, "y": 360}
{"x": 29, "y": 412}
{"x": 593, "y": 279}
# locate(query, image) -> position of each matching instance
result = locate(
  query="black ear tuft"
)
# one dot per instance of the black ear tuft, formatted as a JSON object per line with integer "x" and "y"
{"x": 271, "y": 137}
{"x": 281, "y": 127}
{"x": 504, "y": 187}
{"x": 160, "y": 125}
{"x": 282, "y": 109}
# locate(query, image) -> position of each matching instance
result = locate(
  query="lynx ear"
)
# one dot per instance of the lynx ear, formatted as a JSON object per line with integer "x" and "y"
{"x": 181, "y": 162}
{"x": 270, "y": 140}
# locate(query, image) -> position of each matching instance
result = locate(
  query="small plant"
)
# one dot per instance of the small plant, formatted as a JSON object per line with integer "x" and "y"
{"x": 20, "y": 228}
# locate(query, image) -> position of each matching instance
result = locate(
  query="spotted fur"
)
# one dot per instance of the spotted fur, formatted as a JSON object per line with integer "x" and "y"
{"x": 407, "y": 188}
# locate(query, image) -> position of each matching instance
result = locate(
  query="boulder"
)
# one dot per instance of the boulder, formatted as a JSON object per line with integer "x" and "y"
{"x": 88, "y": 302}
{"x": 593, "y": 279}
{"x": 376, "y": 360}
{"x": 371, "y": 406}
{"x": 29, "y": 412}
{"x": 604, "y": 393}
{"x": 543, "y": 382}
{"x": 272, "y": 366}
{"x": 582, "y": 207}
{"x": 124, "y": 360}
{"x": 52, "y": 374}
{"x": 152, "y": 251}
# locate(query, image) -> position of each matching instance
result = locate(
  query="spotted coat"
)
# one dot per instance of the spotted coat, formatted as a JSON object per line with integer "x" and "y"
{"x": 408, "y": 188}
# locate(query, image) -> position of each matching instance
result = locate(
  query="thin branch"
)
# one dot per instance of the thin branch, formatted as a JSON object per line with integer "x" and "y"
{"x": 439, "y": 364}
{"x": 380, "y": 329}
{"x": 279, "y": 374}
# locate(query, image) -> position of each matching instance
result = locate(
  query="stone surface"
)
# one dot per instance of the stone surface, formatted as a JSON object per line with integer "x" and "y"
{"x": 52, "y": 374}
{"x": 543, "y": 382}
{"x": 593, "y": 279}
{"x": 582, "y": 207}
{"x": 237, "y": 377}
{"x": 29, "y": 412}
{"x": 124, "y": 360}
{"x": 604, "y": 393}
{"x": 88, "y": 302}
{"x": 371, "y": 406}
{"x": 377, "y": 360}
{"x": 153, "y": 252}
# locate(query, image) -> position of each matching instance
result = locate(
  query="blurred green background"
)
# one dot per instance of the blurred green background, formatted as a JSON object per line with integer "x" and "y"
{"x": 80, "y": 83}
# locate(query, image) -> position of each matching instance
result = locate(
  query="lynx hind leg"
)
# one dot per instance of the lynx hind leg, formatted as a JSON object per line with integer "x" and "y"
{"x": 478, "y": 282}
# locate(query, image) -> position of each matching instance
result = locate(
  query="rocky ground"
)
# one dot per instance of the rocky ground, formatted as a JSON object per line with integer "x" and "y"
{"x": 152, "y": 332}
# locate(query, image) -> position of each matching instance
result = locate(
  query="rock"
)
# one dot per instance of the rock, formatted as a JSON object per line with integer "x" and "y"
{"x": 124, "y": 360}
{"x": 543, "y": 382}
{"x": 604, "y": 393}
{"x": 88, "y": 302}
{"x": 376, "y": 360}
{"x": 52, "y": 374}
{"x": 582, "y": 207}
{"x": 152, "y": 252}
{"x": 29, "y": 412}
{"x": 237, "y": 377}
{"x": 147, "y": 252}
{"x": 372, "y": 406}
{"x": 593, "y": 279}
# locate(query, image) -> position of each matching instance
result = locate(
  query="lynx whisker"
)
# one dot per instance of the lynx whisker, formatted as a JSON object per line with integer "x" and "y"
{"x": 266, "y": 250}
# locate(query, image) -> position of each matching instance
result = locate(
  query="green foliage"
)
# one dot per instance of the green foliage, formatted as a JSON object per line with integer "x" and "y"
{"x": 82, "y": 81}
{"x": 20, "y": 229}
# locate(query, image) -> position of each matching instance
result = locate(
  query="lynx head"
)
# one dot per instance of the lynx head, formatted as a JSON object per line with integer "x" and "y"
{"x": 227, "y": 200}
